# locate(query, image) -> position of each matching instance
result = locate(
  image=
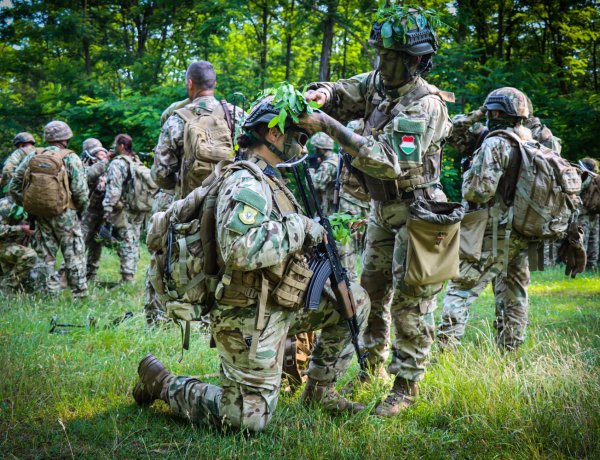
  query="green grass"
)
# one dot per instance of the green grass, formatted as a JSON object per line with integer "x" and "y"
{"x": 69, "y": 395}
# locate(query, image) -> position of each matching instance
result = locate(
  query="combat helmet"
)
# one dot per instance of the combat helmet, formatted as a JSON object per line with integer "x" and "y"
{"x": 322, "y": 141}
{"x": 508, "y": 100}
{"x": 403, "y": 29}
{"x": 22, "y": 138}
{"x": 91, "y": 146}
{"x": 263, "y": 112}
{"x": 57, "y": 131}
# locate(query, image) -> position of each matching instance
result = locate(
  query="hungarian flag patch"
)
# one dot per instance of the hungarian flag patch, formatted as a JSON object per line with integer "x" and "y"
{"x": 408, "y": 144}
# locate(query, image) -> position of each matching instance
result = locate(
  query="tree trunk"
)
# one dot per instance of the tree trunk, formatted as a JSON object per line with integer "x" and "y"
{"x": 327, "y": 39}
{"x": 288, "y": 42}
{"x": 264, "y": 43}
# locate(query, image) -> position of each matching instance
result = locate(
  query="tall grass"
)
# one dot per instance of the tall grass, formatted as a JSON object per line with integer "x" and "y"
{"x": 69, "y": 395}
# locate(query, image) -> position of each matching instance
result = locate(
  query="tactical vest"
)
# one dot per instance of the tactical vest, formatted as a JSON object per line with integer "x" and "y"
{"x": 416, "y": 175}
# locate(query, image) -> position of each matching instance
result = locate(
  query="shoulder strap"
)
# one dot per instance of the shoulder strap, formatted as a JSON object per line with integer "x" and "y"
{"x": 227, "y": 115}
{"x": 508, "y": 182}
{"x": 186, "y": 114}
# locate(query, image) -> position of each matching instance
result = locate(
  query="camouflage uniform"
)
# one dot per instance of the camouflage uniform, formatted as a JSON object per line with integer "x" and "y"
{"x": 153, "y": 308}
{"x": 249, "y": 240}
{"x": 93, "y": 217}
{"x": 324, "y": 180}
{"x": 169, "y": 151}
{"x": 424, "y": 124}
{"x": 12, "y": 161}
{"x": 62, "y": 232}
{"x": 480, "y": 187}
{"x": 16, "y": 259}
{"x": 352, "y": 250}
{"x": 127, "y": 223}
{"x": 589, "y": 222}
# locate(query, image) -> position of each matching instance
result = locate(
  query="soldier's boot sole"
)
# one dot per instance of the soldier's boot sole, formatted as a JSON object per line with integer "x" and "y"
{"x": 153, "y": 377}
{"x": 327, "y": 396}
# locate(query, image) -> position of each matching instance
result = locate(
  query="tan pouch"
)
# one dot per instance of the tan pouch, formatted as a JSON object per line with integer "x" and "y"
{"x": 290, "y": 291}
{"x": 472, "y": 231}
{"x": 432, "y": 255}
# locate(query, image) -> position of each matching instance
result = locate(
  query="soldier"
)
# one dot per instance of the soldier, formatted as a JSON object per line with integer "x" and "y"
{"x": 324, "y": 179}
{"x": 169, "y": 171}
{"x": 62, "y": 231}
{"x": 95, "y": 160}
{"x": 406, "y": 122}
{"x": 589, "y": 220}
{"x": 253, "y": 244}
{"x": 25, "y": 144}
{"x": 126, "y": 222}
{"x": 16, "y": 259}
{"x": 505, "y": 108}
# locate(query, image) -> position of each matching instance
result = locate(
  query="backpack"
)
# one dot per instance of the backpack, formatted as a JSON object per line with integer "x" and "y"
{"x": 544, "y": 192}
{"x": 46, "y": 190}
{"x": 207, "y": 140}
{"x": 140, "y": 191}
{"x": 591, "y": 196}
{"x": 184, "y": 267}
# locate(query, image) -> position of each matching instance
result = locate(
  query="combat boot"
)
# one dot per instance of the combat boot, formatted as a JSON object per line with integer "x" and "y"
{"x": 127, "y": 278}
{"x": 327, "y": 396}
{"x": 154, "y": 377}
{"x": 400, "y": 398}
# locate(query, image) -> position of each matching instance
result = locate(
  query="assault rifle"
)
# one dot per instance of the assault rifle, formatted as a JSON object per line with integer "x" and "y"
{"x": 327, "y": 265}
{"x": 338, "y": 183}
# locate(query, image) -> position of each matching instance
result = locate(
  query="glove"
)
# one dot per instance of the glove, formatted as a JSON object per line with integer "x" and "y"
{"x": 572, "y": 252}
{"x": 314, "y": 233}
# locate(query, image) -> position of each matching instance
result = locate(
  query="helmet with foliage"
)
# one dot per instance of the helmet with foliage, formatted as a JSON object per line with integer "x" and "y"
{"x": 404, "y": 28}
{"x": 57, "y": 131}
{"x": 263, "y": 112}
{"x": 508, "y": 100}
{"x": 322, "y": 141}
{"x": 91, "y": 146}
{"x": 23, "y": 138}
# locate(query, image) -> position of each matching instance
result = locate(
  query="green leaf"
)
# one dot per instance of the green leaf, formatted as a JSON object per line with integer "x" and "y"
{"x": 282, "y": 117}
{"x": 273, "y": 121}
{"x": 386, "y": 30}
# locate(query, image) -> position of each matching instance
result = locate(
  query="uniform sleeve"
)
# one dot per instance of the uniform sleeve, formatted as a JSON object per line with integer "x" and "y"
{"x": 491, "y": 160}
{"x": 77, "y": 181}
{"x": 466, "y": 130}
{"x": 16, "y": 183}
{"x": 11, "y": 164}
{"x": 117, "y": 173}
{"x": 168, "y": 152}
{"x": 248, "y": 238}
{"x": 94, "y": 172}
{"x": 325, "y": 175}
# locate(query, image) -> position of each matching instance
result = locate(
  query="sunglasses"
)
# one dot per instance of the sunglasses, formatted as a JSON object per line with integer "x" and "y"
{"x": 300, "y": 135}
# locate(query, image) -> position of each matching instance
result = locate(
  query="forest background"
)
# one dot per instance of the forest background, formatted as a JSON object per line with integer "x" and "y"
{"x": 108, "y": 67}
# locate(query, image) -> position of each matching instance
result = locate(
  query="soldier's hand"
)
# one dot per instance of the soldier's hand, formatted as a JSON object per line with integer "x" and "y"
{"x": 318, "y": 96}
{"x": 26, "y": 229}
{"x": 314, "y": 233}
{"x": 313, "y": 123}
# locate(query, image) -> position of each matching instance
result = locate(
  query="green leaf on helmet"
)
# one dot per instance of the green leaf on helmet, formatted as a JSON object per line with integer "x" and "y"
{"x": 273, "y": 121}
{"x": 314, "y": 104}
{"x": 282, "y": 117}
{"x": 388, "y": 42}
{"x": 386, "y": 30}
{"x": 421, "y": 22}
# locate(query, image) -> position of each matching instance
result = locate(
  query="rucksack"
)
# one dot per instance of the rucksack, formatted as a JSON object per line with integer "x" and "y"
{"x": 591, "y": 196}
{"x": 184, "y": 268}
{"x": 546, "y": 190}
{"x": 46, "y": 190}
{"x": 140, "y": 190}
{"x": 207, "y": 140}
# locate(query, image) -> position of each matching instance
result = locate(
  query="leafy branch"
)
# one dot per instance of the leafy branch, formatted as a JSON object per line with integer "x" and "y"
{"x": 399, "y": 19}
{"x": 289, "y": 101}
{"x": 341, "y": 224}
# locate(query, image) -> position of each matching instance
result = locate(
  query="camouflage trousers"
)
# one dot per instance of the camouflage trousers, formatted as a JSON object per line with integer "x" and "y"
{"x": 16, "y": 263}
{"x": 90, "y": 225}
{"x": 589, "y": 222}
{"x": 351, "y": 251}
{"x": 129, "y": 236}
{"x": 250, "y": 385}
{"x": 410, "y": 308}
{"x": 510, "y": 292}
{"x": 62, "y": 233}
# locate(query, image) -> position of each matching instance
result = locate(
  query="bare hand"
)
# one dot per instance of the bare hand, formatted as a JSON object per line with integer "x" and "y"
{"x": 319, "y": 97}
{"x": 26, "y": 229}
{"x": 358, "y": 224}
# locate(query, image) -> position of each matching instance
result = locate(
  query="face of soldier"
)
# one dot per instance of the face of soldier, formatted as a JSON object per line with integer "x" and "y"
{"x": 395, "y": 67}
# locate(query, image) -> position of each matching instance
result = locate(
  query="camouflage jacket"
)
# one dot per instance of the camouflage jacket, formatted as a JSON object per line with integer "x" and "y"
{"x": 324, "y": 180}
{"x": 12, "y": 161}
{"x": 169, "y": 150}
{"x": 412, "y": 139}
{"x": 96, "y": 179}
{"x": 10, "y": 230}
{"x": 117, "y": 178}
{"x": 77, "y": 179}
{"x": 248, "y": 236}
{"x": 542, "y": 134}
{"x": 480, "y": 182}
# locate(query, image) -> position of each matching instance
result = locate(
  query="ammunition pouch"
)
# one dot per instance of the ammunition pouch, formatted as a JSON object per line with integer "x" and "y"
{"x": 386, "y": 190}
{"x": 292, "y": 287}
{"x": 472, "y": 231}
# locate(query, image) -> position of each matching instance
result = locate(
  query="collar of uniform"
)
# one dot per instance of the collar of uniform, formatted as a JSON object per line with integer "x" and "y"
{"x": 265, "y": 167}
{"x": 396, "y": 93}
{"x": 204, "y": 103}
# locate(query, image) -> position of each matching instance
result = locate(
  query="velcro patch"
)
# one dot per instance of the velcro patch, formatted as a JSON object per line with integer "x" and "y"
{"x": 252, "y": 199}
{"x": 407, "y": 125}
{"x": 244, "y": 218}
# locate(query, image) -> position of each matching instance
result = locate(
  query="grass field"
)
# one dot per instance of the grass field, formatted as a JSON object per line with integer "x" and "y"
{"x": 69, "y": 395}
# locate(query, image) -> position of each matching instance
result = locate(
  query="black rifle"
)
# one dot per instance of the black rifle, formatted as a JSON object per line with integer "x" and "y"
{"x": 338, "y": 184}
{"x": 327, "y": 264}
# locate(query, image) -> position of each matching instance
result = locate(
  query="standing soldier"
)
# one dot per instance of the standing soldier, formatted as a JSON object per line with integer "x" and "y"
{"x": 485, "y": 187}
{"x": 260, "y": 231}
{"x": 196, "y": 137}
{"x": 16, "y": 259}
{"x": 95, "y": 160}
{"x": 588, "y": 219}
{"x": 118, "y": 212}
{"x": 51, "y": 185}
{"x": 406, "y": 122}
{"x": 25, "y": 144}
{"x": 324, "y": 178}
